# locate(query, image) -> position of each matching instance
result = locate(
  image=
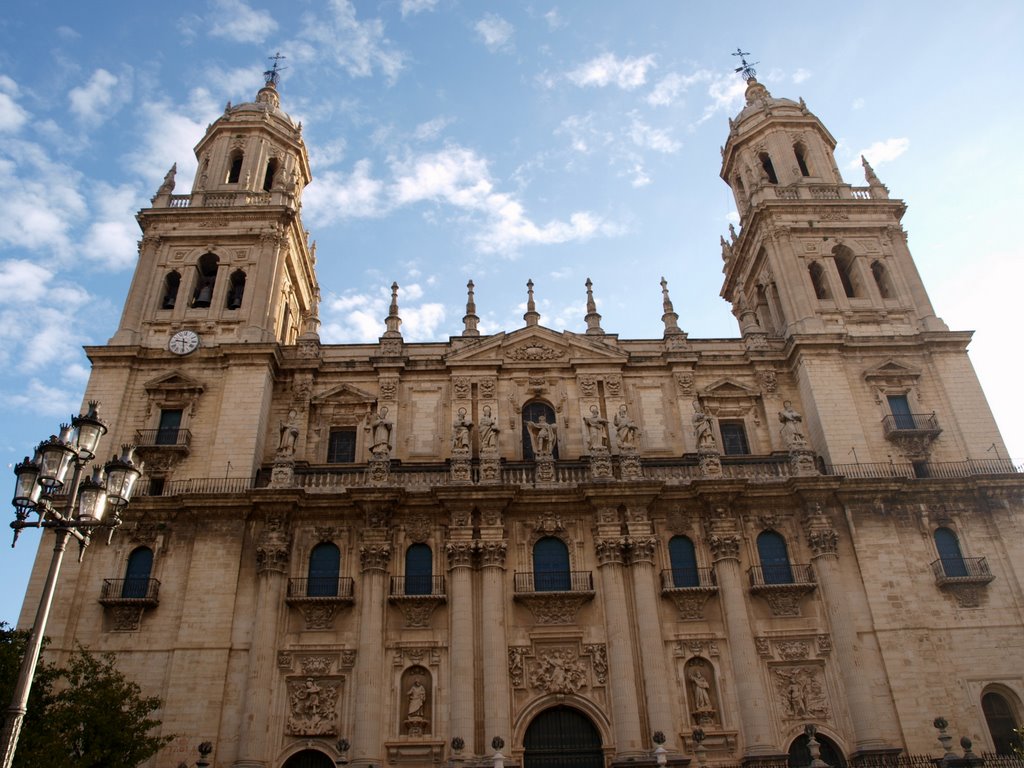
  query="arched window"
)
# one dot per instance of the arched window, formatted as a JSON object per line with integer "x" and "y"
{"x": 771, "y": 550}
{"x": 206, "y": 279}
{"x": 551, "y": 565}
{"x": 769, "y": 169}
{"x": 543, "y": 416}
{"x": 137, "y": 572}
{"x": 235, "y": 166}
{"x": 268, "y": 178}
{"x": 171, "y": 283}
{"x": 882, "y": 280}
{"x": 845, "y": 260}
{"x": 419, "y": 570}
{"x": 683, "y": 557}
{"x": 324, "y": 567}
{"x": 801, "y": 158}
{"x": 819, "y": 280}
{"x": 1002, "y": 724}
{"x": 236, "y": 289}
{"x": 952, "y": 558}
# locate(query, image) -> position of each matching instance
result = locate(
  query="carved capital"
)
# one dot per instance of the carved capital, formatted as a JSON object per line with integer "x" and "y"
{"x": 374, "y": 557}
{"x": 460, "y": 554}
{"x": 823, "y": 541}
{"x": 492, "y": 554}
{"x": 641, "y": 551}
{"x": 610, "y": 551}
{"x": 273, "y": 545}
{"x": 724, "y": 546}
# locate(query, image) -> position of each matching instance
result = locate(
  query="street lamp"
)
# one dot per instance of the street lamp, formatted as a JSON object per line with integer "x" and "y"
{"x": 89, "y": 504}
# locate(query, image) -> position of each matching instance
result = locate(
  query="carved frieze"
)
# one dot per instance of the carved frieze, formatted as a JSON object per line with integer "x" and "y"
{"x": 557, "y": 671}
{"x": 312, "y": 706}
{"x": 792, "y": 650}
{"x": 801, "y": 691}
{"x": 534, "y": 352}
{"x": 555, "y": 607}
{"x": 417, "y": 527}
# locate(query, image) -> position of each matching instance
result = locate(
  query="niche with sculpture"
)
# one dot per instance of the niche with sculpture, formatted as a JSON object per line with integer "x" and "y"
{"x": 701, "y": 691}
{"x": 416, "y": 702}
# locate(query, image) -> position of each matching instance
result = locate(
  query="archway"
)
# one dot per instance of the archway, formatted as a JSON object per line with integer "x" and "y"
{"x": 800, "y": 753}
{"x": 562, "y": 737}
{"x": 308, "y": 758}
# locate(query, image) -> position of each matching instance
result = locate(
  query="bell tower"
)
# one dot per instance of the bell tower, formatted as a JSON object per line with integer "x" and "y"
{"x": 230, "y": 261}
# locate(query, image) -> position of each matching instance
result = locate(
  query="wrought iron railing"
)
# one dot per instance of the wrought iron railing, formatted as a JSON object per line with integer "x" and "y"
{"x": 931, "y": 469}
{"x": 417, "y": 586}
{"x": 896, "y": 423}
{"x": 780, "y": 574}
{"x": 553, "y": 581}
{"x": 953, "y": 570}
{"x": 325, "y": 587}
{"x": 131, "y": 590}
{"x": 159, "y": 487}
{"x": 688, "y": 578}
{"x": 177, "y": 438}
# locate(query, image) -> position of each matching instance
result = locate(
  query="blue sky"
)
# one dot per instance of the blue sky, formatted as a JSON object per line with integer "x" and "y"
{"x": 497, "y": 141}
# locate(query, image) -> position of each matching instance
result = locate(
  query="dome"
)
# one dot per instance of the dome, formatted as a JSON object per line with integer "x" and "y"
{"x": 761, "y": 102}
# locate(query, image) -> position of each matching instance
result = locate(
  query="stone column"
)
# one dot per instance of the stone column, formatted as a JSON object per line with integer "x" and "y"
{"x": 621, "y": 669}
{"x": 755, "y": 725}
{"x": 272, "y": 549}
{"x": 497, "y": 715}
{"x": 856, "y": 675}
{"x": 652, "y": 648}
{"x": 461, "y": 713}
{"x": 369, "y": 691}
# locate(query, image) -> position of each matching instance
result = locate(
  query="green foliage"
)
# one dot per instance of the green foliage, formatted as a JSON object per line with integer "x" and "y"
{"x": 85, "y": 715}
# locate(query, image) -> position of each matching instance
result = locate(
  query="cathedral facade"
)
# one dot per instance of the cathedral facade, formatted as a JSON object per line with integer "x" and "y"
{"x": 569, "y": 549}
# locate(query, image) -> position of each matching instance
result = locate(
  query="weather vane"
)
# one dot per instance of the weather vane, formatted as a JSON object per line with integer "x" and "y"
{"x": 275, "y": 70}
{"x": 746, "y": 70}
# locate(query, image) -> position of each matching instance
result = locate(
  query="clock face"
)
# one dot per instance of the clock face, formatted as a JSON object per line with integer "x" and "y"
{"x": 183, "y": 342}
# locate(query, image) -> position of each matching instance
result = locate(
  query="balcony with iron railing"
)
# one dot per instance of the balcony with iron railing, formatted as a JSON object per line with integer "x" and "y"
{"x": 554, "y": 597}
{"x": 132, "y": 591}
{"x": 910, "y": 424}
{"x": 689, "y": 589}
{"x": 531, "y": 582}
{"x": 175, "y": 438}
{"x": 320, "y": 589}
{"x": 961, "y": 570}
{"x": 930, "y": 469}
{"x": 783, "y": 585}
{"x": 417, "y": 586}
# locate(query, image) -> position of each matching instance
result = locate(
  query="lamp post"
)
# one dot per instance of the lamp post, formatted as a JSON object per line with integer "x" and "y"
{"x": 90, "y": 504}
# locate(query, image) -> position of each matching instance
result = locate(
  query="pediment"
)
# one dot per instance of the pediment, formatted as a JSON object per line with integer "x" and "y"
{"x": 537, "y": 345}
{"x": 729, "y": 388}
{"x": 343, "y": 394}
{"x": 892, "y": 370}
{"x": 174, "y": 382}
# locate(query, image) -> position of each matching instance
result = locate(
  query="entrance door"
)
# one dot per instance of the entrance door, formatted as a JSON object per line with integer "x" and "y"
{"x": 309, "y": 758}
{"x": 800, "y": 752}
{"x": 562, "y": 737}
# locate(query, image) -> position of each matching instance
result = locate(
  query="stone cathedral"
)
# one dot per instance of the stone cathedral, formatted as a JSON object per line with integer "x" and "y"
{"x": 563, "y": 549}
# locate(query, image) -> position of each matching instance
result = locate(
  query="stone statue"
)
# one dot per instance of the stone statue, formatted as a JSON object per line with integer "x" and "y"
{"x": 168, "y": 185}
{"x": 597, "y": 430}
{"x": 289, "y": 435}
{"x": 701, "y": 691}
{"x": 488, "y": 429}
{"x": 702, "y": 429}
{"x": 417, "y": 698}
{"x": 626, "y": 430}
{"x": 543, "y": 436}
{"x": 460, "y": 432}
{"x": 380, "y": 428}
{"x": 792, "y": 432}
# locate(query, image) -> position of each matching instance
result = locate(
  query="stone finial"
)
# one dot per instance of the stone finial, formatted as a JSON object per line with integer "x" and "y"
{"x": 471, "y": 319}
{"x": 878, "y": 189}
{"x": 393, "y": 320}
{"x": 593, "y": 318}
{"x": 532, "y": 316}
{"x": 732, "y": 233}
{"x": 168, "y": 185}
{"x": 669, "y": 316}
{"x": 726, "y": 249}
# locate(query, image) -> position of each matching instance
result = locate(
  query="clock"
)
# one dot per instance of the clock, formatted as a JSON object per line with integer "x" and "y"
{"x": 183, "y": 342}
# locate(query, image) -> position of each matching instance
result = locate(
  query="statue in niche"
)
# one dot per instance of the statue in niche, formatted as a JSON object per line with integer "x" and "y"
{"x": 289, "y": 436}
{"x": 792, "y": 432}
{"x": 701, "y": 678}
{"x": 702, "y": 430}
{"x": 597, "y": 430}
{"x": 543, "y": 436}
{"x": 417, "y": 696}
{"x": 488, "y": 430}
{"x": 460, "y": 432}
{"x": 701, "y": 690}
{"x": 380, "y": 428}
{"x": 626, "y": 430}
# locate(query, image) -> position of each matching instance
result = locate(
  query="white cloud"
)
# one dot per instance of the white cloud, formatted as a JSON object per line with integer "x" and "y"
{"x": 670, "y": 86}
{"x": 234, "y": 20}
{"x": 410, "y": 7}
{"x": 12, "y": 116}
{"x": 111, "y": 239}
{"x": 726, "y": 92}
{"x": 607, "y": 69}
{"x": 241, "y": 82}
{"x": 360, "y": 317}
{"x": 100, "y": 97}
{"x": 335, "y": 196}
{"x": 657, "y": 139}
{"x": 323, "y": 156}
{"x": 46, "y": 400}
{"x": 495, "y": 31}
{"x": 23, "y": 281}
{"x": 360, "y": 47}
{"x": 858, "y": 103}
{"x": 168, "y": 134}
{"x": 881, "y": 152}
{"x": 67, "y": 33}
{"x": 553, "y": 19}
{"x": 432, "y": 128}
{"x": 801, "y": 75}
{"x": 640, "y": 177}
